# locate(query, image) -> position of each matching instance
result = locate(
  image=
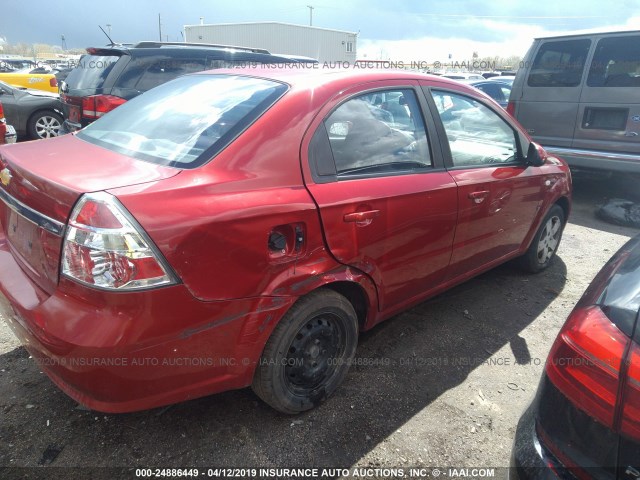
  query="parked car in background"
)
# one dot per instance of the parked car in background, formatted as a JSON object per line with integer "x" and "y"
{"x": 107, "y": 77}
{"x": 239, "y": 227}
{"x": 578, "y": 96}
{"x": 62, "y": 73}
{"x": 35, "y": 114}
{"x": 496, "y": 89}
{"x": 585, "y": 419}
{"x": 504, "y": 79}
{"x": 37, "y": 81}
{"x": 7, "y": 132}
{"x": 8, "y": 65}
{"x": 463, "y": 76}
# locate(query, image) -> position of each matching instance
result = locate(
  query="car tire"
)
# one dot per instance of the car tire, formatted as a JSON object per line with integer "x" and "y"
{"x": 545, "y": 243}
{"x": 308, "y": 354}
{"x": 44, "y": 124}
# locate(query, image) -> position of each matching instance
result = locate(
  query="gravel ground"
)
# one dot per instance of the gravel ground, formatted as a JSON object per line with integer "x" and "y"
{"x": 441, "y": 385}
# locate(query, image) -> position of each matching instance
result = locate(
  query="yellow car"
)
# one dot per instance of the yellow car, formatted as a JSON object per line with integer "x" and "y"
{"x": 37, "y": 81}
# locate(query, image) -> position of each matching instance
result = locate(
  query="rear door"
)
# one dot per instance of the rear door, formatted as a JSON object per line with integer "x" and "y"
{"x": 550, "y": 93}
{"x": 498, "y": 194}
{"x": 609, "y": 108}
{"x": 388, "y": 207}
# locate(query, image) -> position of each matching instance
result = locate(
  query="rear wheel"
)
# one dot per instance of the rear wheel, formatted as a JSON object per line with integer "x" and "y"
{"x": 44, "y": 124}
{"x": 308, "y": 354}
{"x": 545, "y": 243}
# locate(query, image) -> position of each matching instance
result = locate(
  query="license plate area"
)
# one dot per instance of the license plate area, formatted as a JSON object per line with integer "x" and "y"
{"x": 74, "y": 114}
{"x": 36, "y": 249}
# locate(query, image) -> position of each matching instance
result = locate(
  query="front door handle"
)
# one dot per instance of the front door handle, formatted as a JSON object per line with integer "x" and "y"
{"x": 361, "y": 219}
{"x": 478, "y": 197}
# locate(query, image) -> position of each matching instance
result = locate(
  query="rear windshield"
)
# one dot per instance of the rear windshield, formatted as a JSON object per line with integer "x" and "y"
{"x": 187, "y": 121}
{"x": 91, "y": 71}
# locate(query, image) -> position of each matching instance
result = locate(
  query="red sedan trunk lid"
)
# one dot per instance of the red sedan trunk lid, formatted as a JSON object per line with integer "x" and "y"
{"x": 41, "y": 182}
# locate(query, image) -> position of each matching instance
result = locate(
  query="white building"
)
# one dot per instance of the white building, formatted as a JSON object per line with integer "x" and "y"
{"x": 323, "y": 44}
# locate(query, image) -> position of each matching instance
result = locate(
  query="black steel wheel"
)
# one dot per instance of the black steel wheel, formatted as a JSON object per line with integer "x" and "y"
{"x": 308, "y": 353}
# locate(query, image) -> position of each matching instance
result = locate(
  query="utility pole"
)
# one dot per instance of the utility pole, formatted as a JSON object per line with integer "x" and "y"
{"x": 109, "y": 28}
{"x": 159, "y": 28}
{"x": 310, "y": 15}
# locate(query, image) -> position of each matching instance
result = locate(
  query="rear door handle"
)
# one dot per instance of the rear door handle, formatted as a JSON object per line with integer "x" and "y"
{"x": 478, "y": 197}
{"x": 361, "y": 218}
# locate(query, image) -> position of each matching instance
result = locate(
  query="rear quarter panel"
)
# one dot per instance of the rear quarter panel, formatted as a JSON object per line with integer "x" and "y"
{"x": 213, "y": 223}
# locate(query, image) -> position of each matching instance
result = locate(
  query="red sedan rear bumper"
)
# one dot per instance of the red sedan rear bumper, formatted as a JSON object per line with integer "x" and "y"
{"x": 124, "y": 352}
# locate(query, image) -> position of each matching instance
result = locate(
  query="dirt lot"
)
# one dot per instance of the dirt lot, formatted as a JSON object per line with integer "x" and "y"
{"x": 452, "y": 378}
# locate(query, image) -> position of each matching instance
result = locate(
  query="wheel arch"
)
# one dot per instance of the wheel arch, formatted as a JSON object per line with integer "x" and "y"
{"x": 563, "y": 202}
{"x": 357, "y": 297}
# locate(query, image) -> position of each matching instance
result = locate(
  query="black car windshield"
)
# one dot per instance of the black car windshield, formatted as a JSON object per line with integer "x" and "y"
{"x": 187, "y": 121}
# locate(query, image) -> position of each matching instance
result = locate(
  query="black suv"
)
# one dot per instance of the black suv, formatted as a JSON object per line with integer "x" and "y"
{"x": 106, "y": 77}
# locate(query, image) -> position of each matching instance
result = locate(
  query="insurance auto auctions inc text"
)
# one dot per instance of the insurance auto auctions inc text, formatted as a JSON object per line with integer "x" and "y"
{"x": 321, "y": 473}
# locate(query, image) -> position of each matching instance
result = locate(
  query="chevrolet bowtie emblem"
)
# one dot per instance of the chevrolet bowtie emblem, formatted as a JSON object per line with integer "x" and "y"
{"x": 5, "y": 176}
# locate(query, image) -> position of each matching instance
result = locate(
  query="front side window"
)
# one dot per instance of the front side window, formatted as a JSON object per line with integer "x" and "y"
{"x": 184, "y": 122}
{"x": 380, "y": 132}
{"x": 477, "y": 135}
{"x": 559, "y": 64}
{"x": 616, "y": 63}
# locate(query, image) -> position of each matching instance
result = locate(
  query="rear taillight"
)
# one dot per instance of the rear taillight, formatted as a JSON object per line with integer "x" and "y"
{"x": 53, "y": 82}
{"x": 511, "y": 108}
{"x": 96, "y": 106}
{"x": 105, "y": 247}
{"x": 630, "y": 424}
{"x": 585, "y": 360}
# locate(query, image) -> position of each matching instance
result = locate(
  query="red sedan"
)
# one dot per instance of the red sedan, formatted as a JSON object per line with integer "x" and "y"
{"x": 240, "y": 227}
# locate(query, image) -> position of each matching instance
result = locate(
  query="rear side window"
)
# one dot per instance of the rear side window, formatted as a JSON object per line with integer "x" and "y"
{"x": 185, "y": 122}
{"x": 559, "y": 64}
{"x": 91, "y": 71}
{"x": 380, "y": 133}
{"x": 616, "y": 63}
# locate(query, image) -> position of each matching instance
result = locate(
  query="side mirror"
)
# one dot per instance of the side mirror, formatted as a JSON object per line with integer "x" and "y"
{"x": 533, "y": 156}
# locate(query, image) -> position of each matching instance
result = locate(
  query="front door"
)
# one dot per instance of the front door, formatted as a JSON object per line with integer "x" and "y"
{"x": 498, "y": 194}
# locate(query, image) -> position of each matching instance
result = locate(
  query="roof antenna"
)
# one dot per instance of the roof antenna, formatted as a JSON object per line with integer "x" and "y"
{"x": 107, "y": 35}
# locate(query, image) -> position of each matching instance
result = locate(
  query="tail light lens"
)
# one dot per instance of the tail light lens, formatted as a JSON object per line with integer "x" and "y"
{"x": 96, "y": 106}
{"x": 106, "y": 248}
{"x": 585, "y": 360}
{"x": 511, "y": 108}
{"x": 53, "y": 82}
{"x": 630, "y": 425}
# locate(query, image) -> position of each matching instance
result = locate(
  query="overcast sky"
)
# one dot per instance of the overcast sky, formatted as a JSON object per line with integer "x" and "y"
{"x": 401, "y": 30}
